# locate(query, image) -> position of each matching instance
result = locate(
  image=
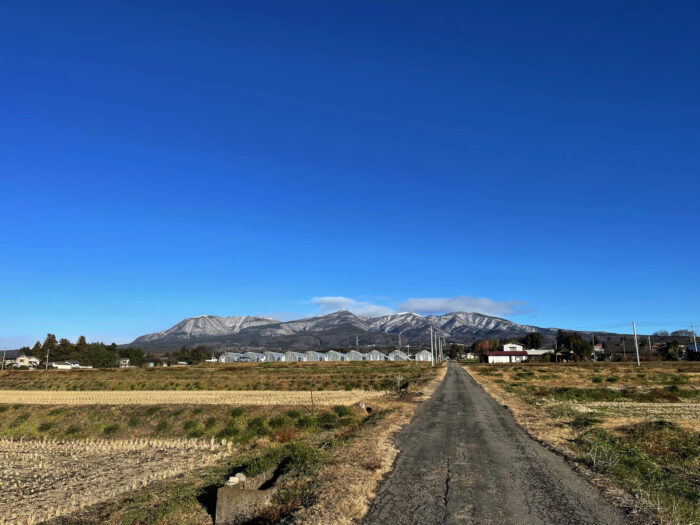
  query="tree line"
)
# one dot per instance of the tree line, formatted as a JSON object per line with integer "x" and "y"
{"x": 97, "y": 354}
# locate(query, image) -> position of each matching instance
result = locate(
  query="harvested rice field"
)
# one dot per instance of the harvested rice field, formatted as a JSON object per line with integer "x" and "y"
{"x": 169, "y": 397}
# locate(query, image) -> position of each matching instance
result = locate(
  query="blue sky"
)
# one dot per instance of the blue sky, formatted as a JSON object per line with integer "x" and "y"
{"x": 160, "y": 160}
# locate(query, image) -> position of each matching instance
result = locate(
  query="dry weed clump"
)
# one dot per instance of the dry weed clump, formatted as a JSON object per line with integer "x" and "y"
{"x": 348, "y": 483}
{"x": 47, "y": 479}
{"x": 178, "y": 397}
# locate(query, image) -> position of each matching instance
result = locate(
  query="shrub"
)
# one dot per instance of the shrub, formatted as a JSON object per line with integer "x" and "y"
{"x": 229, "y": 431}
{"x": 277, "y": 421}
{"x": 152, "y": 411}
{"x": 327, "y": 420}
{"x": 210, "y": 422}
{"x": 73, "y": 429}
{"x": 19, "y": 420}
{"x": 293, "y": 414}
{"x": 258, "y": 426}
{"x": 134, "y": 422}
{"x": 304, "y": 422}
{"x": 237, "y": 412}
{"x": 585, "y": 420}
{"x": 162, "y": 426}
{"x": 612, "y": 379}
{"x": 45, "y": 426}
{"x": 597, "y": 379}
{"x": 285, "y": 435}
{"x": 111, "y": 429}
{"x": 342, "y": 410}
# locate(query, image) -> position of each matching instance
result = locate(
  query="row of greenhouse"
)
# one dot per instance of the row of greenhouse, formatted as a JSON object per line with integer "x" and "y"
{"x": 331, "y": 355}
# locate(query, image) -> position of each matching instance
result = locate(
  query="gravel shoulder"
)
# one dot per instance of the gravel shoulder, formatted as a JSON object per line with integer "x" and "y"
{"x": 464, "y": 459}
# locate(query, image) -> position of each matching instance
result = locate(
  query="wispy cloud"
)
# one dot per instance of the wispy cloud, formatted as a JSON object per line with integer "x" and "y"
{"x": 333, "y": 304}
{"x": 420, "y": 305}
{"x": 439, "y": 305}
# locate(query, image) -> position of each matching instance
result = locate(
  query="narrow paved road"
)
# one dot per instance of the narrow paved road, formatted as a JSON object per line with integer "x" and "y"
{"x": 463, "y": 459}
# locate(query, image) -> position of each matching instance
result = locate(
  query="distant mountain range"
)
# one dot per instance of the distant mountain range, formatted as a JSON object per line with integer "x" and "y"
{"x": 339, "y": 329}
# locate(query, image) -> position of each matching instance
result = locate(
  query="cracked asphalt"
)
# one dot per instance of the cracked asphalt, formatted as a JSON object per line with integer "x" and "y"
{"x": 463, "y": 459}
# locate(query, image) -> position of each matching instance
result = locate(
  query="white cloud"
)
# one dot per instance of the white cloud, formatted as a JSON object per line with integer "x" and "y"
{"x": 440, "y": 305}
{"x": 333, "y": 304}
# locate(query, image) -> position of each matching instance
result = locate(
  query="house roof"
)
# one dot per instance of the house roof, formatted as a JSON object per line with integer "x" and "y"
{"x": 505, "y": 353}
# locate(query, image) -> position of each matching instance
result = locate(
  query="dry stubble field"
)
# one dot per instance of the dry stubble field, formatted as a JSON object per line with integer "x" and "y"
{"x": 160, "y": 459}
{"x": 639, "y": 427}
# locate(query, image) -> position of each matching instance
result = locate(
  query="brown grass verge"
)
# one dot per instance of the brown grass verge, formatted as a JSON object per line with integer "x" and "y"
{"x": 177, "y": 397}
{"x": 348, "y": 484}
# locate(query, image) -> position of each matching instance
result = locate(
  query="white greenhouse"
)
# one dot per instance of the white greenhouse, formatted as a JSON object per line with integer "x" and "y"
{"x": 230, "y": 357}
{"x": 253, "y": 357}
{"x": 292, "y": 357}
{"x": 332, "y": 355}
{"x": 354, "y": 355}
{"x": 272, "y": 357}
{"x": 398, "y": 355}
{"x": 313, "y": 356}
{"x": 375, "y": 355}
{"x": 423, "y": 355}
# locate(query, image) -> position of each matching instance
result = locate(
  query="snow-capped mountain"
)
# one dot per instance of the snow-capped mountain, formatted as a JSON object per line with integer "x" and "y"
{"x": 205, "y": 326}
{"x": 336, "y": 329}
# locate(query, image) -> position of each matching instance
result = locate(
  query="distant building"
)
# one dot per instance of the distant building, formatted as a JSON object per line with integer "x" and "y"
{"x": 124, "y": 363}
{"x": 512, "y": 347}
{"x": 507, "y": 357}
{"x": 332, "y": 355}
{"x": 375, "y": 355}
{"x": 398, "y": 355}
{"x": 230, "y": 357}
{"x": 539, "y": 352}
{"x": 293, "y": 357}
{"x": 25, "y": 361}
{"x": 424, "y": 355}
{"x": 253, "y": 357}
{"x": 313, "y": 356}
{"x": 354, "y": 355}
{"x": 272, "y": 357}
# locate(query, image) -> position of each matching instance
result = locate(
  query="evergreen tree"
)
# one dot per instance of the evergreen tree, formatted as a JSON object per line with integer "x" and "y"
{"x": 49, "y": 346}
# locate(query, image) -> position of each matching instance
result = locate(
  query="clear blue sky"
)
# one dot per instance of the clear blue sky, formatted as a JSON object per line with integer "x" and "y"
{"x": 161, "y": 160}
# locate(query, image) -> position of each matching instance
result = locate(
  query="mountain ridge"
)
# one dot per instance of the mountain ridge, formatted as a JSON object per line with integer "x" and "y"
{"x": 341, "y": 328}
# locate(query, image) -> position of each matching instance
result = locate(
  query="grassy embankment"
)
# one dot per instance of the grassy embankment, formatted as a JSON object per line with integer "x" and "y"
{"x": 638, "y": 426}
{"x": 306, "y": 441}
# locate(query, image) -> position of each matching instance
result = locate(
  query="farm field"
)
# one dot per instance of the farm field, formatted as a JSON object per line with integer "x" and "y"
{"x": 352, "y": 375}
{"x": 640, "y": 427}
{"x": 161, "y": 459}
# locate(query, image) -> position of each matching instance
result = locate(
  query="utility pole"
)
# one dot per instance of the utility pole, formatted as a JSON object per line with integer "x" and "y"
{"x": 4, "y": 353}
{"x": 47, "y": 357}
{"x": 695, "y": 342}
{"x": 357, "y": 343}
{"x": 624, "y": 352}
{"x": 399, "y": 347}
{"x": 649, "y": 343}
{"x": 636, "y": 343}
{"x": 432, "y": 355}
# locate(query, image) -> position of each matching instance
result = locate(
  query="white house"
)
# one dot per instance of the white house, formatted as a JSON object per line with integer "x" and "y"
{"x": 512, "y": 347}
{"x": 507, "y": 357}
{"x": 375, "y": 355}
{"x": 313, "y": 356}
{"x": 124, "y": 362}
{"x": 354, "y": 355}
{"x": 423, "y": 355}
{"x": 292, "y": 357}
{"x": 398, "y": 355}
{"x": 29, "y": 362}
{"x": 332, "y": 355}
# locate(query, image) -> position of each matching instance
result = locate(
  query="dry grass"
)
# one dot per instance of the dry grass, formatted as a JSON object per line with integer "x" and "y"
{"x": 646, "y": 441}
{"x": 42, "y": 480}
{"x": 169, "y": 397}
{"x": 348, "y": 484}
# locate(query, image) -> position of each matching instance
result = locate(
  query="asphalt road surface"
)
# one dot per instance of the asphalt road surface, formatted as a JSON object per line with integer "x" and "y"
{"x": 463, "y": 459}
